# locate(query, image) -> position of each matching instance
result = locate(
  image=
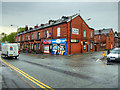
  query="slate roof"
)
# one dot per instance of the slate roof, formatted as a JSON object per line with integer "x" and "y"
{"x": 58, "y": 21}
{"x": 102, "y": 31}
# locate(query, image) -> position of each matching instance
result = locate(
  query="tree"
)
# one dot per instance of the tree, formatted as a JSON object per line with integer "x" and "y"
{"x": 20, "y": 30}
{"x": 5, "y": 38}
{"x": 10, "y": 38}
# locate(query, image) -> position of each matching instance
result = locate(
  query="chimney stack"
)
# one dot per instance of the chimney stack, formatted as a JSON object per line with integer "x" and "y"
{"x": 26, "y": 27}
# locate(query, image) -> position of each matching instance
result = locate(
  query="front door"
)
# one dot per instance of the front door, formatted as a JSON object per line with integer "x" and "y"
{"x": 87, "y": 48}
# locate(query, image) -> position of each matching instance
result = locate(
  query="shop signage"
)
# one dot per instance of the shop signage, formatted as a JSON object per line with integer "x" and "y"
{"x": 75, "y": 31}
{"x": 74, "y": 40}
{"x": 46, "y": 49}
{"x": 58, "y": 41}
{"x": 49, "y": 34}
{"x": 47, "y": 42}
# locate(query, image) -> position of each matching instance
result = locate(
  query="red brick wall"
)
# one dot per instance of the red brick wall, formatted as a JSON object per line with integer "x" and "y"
{"x": 76, "y": 47}
{"x": 96, "y": 38}
{"x": 76, "y": 23}
{"x": 112, "y": 41}
{"x": 106, "y": 39}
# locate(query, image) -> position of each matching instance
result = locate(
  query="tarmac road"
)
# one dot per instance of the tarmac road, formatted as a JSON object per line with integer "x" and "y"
{"x": 47, "y": 71}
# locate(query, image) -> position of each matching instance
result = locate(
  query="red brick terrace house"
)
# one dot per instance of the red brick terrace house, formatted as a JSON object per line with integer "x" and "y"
{"x": 116, "y": 40}
{"x": 67, "y": 35}
{"x": 104, "y": 38}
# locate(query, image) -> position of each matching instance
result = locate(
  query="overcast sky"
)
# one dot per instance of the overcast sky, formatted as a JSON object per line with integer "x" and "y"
{"x": 102, "y": 14}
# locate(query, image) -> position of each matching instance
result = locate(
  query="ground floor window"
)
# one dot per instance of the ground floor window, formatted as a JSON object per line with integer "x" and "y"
{"x": 39, "y": 46}
{"x": 84, "y": 47}
{"x": 54, "y": 46}
{"x": 22, "y": 46}
{"x": 62, "y": 47}
{"x": 91, "y": 45}
{"x": 46, "y": 48}
{"x": 32, "y": 46}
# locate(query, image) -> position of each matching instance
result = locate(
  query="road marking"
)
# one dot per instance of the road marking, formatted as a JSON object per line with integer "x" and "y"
{"x": 22, "y": 78}
{"x": 40, "y": 84}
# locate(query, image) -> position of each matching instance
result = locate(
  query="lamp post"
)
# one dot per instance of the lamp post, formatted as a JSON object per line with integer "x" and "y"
{"x": 82, "y": 31}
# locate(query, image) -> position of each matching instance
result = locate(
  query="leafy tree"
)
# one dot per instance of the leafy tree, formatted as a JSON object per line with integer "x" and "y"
{"x": 5, "y": 38}
{"x": 20, "y": 30}
{"x": 10, "y": 38}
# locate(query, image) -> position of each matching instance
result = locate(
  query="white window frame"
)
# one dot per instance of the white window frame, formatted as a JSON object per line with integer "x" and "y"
{"x": 38, "y": 35}
{"x": 47, "y": 33}
{"x": 84, "y": 33}
{"x": 58, "y": 31}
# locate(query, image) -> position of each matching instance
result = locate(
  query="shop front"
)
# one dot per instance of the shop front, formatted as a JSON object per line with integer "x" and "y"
{"x": 59, "y": 46}
{"x": 47, "y": 46}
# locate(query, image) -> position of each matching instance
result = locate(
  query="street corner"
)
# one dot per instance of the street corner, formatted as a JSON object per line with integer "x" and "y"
{"x": 103, "y": 58}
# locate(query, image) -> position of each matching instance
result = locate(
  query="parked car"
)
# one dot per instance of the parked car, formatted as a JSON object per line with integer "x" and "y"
{"x": 114, "y": 55}
{"x": 10, "y": 50}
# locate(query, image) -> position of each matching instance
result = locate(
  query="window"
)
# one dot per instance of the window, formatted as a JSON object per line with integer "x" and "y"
{"x": 91, "y": 34}
{"x": 19, "y": 38}
{"x": 99, "y": 37}
{"x": 91, "y": 45}
{"x": 85, "y": 47}
{"x": 47, "y": 33}
{"x": 32, "y": 46}
{"x": 84, "y": 33}
{"x": 26, "y": 37}
{"x": 29, "y": 37}
{"x": 32, "y": 36}
{"x": 58, "y": 31}
{"x": 22, "y": 38}
{"x": 39, "y": 46}
{"x": 38, "y": 35}
{"x": 54, "y": 47}
{"x": 36, "y": 47}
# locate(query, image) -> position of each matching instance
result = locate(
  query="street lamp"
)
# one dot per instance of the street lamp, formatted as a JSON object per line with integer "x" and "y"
{"x": 82, "y": 32}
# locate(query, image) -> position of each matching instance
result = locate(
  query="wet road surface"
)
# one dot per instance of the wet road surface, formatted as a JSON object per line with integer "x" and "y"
{"x": 75, "y": 71}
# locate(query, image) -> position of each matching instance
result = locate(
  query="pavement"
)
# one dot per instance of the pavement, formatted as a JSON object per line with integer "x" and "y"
{"x": 74, "y": 71}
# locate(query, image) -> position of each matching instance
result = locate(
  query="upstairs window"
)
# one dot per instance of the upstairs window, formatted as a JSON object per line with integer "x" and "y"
{"x": 32, "y": 36}
{"x": 84, "y": 33}
{"x": 38, "y": 35}
{"x": 58, "y": 31}
{"x": 22, "y": 38}
{"x": 91, "y": 34}
{"x": 99, "y": 37}
{"x": 26, "y": 37}
{"x": 47, "y": 33}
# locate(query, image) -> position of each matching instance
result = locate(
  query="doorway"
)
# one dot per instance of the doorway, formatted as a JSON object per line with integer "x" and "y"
{"x": 87, "y": 48}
